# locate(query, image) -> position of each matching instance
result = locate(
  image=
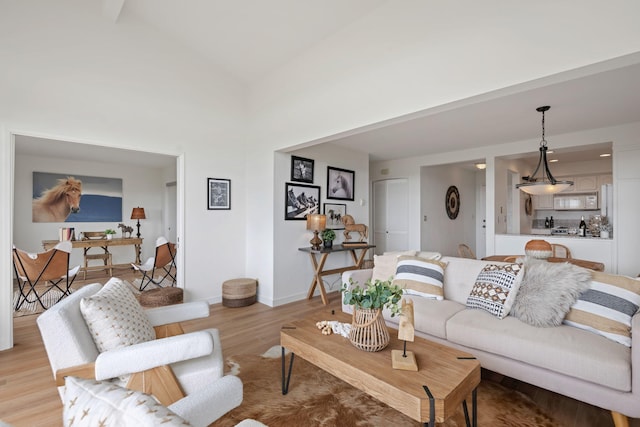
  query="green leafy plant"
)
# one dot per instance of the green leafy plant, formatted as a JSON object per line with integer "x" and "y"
{"x": 109, "y": 231}
{"x": 328, "y": 234}
{"x": 376, "y": 295}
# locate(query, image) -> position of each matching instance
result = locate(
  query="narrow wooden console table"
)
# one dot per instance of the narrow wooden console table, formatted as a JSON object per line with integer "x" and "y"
{"x": 318, "y": 265}
{"x": 87, "y": 244}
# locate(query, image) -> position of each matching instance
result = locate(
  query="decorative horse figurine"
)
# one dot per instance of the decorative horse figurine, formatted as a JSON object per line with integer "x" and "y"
{"x": 57, "y": 203}
{"x": 126, "y": 229}
{"x": 350, "y": 225}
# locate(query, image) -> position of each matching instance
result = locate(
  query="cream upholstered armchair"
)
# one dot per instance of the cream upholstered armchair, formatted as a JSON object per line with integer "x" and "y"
{"x": 164, "y": 362}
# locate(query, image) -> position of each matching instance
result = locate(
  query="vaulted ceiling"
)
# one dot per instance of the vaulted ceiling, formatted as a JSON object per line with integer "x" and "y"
{"x": 250, "y": 39}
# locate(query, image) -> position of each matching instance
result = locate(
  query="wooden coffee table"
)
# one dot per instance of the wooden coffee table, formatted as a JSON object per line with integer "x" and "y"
{"x": 445, "y": 377}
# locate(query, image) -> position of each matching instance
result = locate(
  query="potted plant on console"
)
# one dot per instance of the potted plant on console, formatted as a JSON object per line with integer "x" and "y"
{"x": 328, "y": 236}
{"x": 109, "y": 233}
{"x": 368, "y": 329}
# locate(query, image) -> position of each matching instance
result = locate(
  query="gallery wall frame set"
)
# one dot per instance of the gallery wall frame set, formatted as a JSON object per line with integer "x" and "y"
{"x": 300, "y": 200}
{"x": 302, "y": 169}
{"x": 335, "y": 212}
{"x": 340, "y": 183}
{"x": 218, "y": 194}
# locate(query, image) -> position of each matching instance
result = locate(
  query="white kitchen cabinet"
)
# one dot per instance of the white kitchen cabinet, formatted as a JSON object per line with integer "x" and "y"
{"x": 544, "y": 201}
{"x": 586, "y": 183}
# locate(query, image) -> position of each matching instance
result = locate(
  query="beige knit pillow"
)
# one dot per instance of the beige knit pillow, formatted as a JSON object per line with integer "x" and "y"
{"x": 115, "y": 318}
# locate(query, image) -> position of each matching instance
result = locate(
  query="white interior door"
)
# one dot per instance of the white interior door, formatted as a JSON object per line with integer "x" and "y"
{"x": 170, "y": 209}
{"x": 391, "y": 215}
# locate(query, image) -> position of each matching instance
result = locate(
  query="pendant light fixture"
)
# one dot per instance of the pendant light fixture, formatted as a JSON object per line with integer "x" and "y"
{"x": 546, "y": 184}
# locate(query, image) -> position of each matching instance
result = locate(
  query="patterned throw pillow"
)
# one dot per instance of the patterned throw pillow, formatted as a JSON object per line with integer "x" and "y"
{"x": 496, "y": 288}
{"x": 115, "y": 318}
{"x": 101, "y": 403}
{"x": 606, "y": 308}
{"x": 420, "y": 277}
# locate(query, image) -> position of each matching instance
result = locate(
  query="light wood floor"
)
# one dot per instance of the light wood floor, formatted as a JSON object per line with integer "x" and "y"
{"x": 28, "y": 396}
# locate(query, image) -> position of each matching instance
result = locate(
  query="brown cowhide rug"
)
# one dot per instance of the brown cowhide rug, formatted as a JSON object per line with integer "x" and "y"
{"x": 317, "y": 398}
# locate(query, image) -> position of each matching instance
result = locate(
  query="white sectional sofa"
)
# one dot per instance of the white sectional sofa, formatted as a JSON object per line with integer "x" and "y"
{"x": 564, "y": 359}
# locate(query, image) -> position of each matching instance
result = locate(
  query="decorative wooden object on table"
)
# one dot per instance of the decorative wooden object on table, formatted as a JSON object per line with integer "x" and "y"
{"x": 540, "y": 249}
{"x": 350, "y": 225}
{"x": 404, "y": 359}
{"x": 318, "y": 265}
{"x": 433, "y": 393}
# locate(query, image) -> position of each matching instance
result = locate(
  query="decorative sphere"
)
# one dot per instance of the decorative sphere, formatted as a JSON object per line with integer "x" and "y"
{"x": 540, "y": 249}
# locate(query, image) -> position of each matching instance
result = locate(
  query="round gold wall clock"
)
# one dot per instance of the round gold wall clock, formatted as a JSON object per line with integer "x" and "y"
{"x": 452, "y": 202}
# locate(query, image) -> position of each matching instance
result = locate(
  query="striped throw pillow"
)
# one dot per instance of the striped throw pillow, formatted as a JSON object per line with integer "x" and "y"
{"x": 606, "y": 308}
{"x": 420, "y": 277}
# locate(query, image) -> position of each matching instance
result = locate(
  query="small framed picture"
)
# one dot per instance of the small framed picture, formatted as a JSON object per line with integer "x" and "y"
{"x": 218, "y": 193}
{"x": 301, "y": 169}
{"x": 301, "y": 200}
{"x": 340, "y": 183}
{"x": 334, "y": 213}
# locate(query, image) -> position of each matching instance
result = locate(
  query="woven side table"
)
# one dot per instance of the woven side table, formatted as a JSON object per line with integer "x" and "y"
{"x": 160, "y": 297}
{"x": 239, "y": 292}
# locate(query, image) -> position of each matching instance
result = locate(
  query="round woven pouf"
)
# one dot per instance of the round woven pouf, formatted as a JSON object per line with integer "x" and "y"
{"x": 160, "y": 297}
{"x": 239, "y": 292}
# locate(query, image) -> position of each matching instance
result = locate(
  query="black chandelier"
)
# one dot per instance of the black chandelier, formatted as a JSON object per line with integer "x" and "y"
{"x": 546, "y": 184}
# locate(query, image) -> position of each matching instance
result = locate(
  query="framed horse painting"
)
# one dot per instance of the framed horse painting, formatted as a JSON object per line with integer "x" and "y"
{"x": 340, "y": 183}
{"x": 301, "y": 169}
{"x": 76, "y": 198}
{"x": 301, "y": 200}
{"x": 334, "y": 213}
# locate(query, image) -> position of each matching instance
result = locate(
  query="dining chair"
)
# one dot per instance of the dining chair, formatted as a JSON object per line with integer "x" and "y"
{"x": 464, "y": 251}
{"x": 560, "y": 251}
{"x": 164, "y": 263}
{"x": 46, "y": 270}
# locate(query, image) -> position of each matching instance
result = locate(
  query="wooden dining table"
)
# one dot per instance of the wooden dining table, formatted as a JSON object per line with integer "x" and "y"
{"x": 592, "y": 265}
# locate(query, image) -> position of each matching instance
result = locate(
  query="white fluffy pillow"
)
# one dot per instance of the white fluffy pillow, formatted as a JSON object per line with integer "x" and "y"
{"x": 100, "y": 403}
{"x": 115, "y": 318}
{"x": 547, "y": 292}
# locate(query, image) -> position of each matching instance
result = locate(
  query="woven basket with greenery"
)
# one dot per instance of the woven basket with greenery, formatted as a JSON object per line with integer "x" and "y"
{"x": 368, "y": 329}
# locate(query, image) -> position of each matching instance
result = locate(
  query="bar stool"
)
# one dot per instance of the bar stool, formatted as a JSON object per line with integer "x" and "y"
{"x": 105, "y": 257}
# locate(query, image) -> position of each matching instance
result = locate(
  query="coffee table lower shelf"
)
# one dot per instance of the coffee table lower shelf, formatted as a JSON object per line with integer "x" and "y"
{"x": 445, "y": 379}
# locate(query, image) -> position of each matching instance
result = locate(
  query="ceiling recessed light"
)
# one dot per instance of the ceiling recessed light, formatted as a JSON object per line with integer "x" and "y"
{"x": 553, "y": 161}
{"x": 605, "y": 155}
{"x": 481, "y": 165}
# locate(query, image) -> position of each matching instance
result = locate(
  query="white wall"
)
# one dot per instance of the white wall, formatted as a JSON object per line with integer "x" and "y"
{"x": 140, "y": 187}
{"x": 70, "y": 74}
{"x": 293, "y": 270}
{"x": 439, "y": 232}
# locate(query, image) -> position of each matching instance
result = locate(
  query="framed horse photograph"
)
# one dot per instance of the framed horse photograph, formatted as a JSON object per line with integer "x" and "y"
{"x": 334, "y": 212}
{"x": 301, "y": 169}
{"x": 301, "y": 200}
{"x": 340, "y": 183}
{"x": 218, "y": 194}
{"x": 76, "y": 198}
